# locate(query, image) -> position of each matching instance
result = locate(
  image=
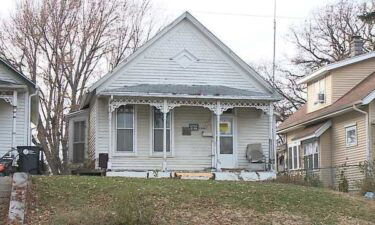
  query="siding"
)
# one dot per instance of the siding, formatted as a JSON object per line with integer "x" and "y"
{"x": 372, "y": 124}
{"x": 252, "y": 127}
{"x": 189, "y": 152}
{"x": 347, "y": 77}
{"x": 7, "y": 75}
{"x": 6, "y": 121}
{"x": 312, "y": 93}
{"x": 325, "y": 158}
{"x": 157, "y": 65}
{"x": 348, "y": 155}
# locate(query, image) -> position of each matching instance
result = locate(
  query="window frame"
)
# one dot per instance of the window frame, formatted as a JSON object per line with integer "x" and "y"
{"x": 171, "y": 133}
{"x": 83, "y": 141}
{"x": 313, "y": 156}
{"x": 349, "y": 128}
{"x": 126, "y": 153}
{"x": 320, "y": 88}
{"x": 292, "y": 146}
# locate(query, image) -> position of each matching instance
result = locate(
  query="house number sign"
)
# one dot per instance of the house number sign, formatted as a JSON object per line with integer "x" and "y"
{"x": 194, "y": 126}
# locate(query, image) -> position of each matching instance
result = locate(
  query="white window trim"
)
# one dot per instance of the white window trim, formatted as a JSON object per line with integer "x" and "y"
{"x": 298, "y": 145}
{"x": 170, "y": 154}
{"x": 123, "y": 153}
{"x": 71, "y": 138}
{"x": 319, "y": 90}
{"x": 313, "y": 169}
{"x": 350, "y": 128}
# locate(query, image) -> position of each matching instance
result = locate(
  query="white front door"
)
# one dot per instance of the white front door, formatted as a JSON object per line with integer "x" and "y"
{"x": 226, "y": 154}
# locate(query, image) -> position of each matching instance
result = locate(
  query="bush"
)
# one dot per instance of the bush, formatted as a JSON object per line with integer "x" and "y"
{"x": 343, "y": 182}
{"x": 368, "y": 182}
{"x": 309, "y": 179}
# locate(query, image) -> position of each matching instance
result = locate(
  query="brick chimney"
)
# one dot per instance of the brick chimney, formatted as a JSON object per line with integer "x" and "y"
{"x": 356, "y": 46}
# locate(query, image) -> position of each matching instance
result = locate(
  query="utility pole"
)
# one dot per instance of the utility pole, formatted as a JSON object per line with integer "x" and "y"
{"x": 274, "y": 43}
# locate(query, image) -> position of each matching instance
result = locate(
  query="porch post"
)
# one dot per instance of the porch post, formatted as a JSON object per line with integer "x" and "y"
{"x": 109, "y": 164}
{"x": 165, "y": 111}
{"x": 14, "y": 127}
{"x": 218, "y": 113}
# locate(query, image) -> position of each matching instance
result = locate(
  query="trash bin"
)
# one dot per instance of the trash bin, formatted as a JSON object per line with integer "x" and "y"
{"x": 30, "y": 159}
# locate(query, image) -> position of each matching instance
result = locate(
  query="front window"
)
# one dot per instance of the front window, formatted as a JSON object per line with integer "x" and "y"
{"x": 158, "y": 130}
{"x": 79, "y": 141}
{"x": 293, "y": 157}
{"x": 125, "y": 128}
{"x": 311, "y": 155}
{"x": 351, "y": 136}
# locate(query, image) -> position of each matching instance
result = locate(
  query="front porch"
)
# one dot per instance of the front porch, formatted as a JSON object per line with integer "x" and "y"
{"x": 187, "y": 134}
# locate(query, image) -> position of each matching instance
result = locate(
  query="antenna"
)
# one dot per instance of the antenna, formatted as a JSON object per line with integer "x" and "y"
{"x": 274, "y": 43}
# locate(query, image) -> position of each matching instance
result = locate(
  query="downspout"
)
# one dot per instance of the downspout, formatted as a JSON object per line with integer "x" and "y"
{"x": 29, "y": 116}
{"x": 368, "y": 136}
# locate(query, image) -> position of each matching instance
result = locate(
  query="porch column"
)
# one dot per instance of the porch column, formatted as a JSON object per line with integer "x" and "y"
{"x": 14, "y": 127}
{"x": 218, "y": 112}
{"x": 110, "y": 110}
{"x": 165, "y": 111}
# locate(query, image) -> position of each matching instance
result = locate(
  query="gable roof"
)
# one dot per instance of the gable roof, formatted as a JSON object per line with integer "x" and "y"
{"x": 326, "y": 69}
{"x": 356, "y": 95}
{"x": 19, "y": 74}
{"x": 250, "y": 71}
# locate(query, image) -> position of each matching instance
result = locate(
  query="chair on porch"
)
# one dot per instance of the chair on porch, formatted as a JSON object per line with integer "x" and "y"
{"x": 254, "y": 154}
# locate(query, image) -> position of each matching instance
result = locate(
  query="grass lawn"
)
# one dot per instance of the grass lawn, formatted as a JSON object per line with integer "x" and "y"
{"x": 105, "y": 200}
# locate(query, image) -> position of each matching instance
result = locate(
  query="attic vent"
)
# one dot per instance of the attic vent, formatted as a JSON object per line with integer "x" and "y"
{"x": 185, "y": 59}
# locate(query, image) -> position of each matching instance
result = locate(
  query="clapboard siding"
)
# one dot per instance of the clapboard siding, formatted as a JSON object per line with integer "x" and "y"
{"x": 345, "y": 78}
{"x": 92, "y": 129}
{"x": 325, "y": 157}
{"x": 252, "y": 127}
{"x": 8, "y": 75}
{"x": 157, "y": 65}
{"x": 349, "y": 155}
{"x": 6, "y": 121}
{"x": 189, "y": 152}
{"x": 372, "y": 124}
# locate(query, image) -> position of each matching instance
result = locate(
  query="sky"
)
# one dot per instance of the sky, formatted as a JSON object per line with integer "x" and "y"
{"x": 246, "y": 26}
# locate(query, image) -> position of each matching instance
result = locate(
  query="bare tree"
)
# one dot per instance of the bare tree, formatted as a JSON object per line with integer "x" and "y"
{"x": 326, "y": 36}
{"x": 61, "y": 44}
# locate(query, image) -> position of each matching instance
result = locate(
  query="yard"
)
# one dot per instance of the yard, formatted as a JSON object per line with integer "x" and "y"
{"x": 103, "y": 200}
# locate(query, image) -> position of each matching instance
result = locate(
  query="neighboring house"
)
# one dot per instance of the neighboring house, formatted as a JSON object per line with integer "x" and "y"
{"x": 18, "y": 108}
{"x": 183, "y": 101}
{"x": 333, "y": 131}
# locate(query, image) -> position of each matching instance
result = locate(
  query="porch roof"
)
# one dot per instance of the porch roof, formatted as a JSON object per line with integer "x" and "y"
{"x": 180, "y": 90}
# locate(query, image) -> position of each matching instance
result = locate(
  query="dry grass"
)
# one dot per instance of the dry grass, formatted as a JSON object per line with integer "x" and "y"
{"x": 103, "y": 200}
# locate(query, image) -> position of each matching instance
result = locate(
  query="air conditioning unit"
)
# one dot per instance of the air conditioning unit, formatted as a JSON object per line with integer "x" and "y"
{"x": 321, "y": 97}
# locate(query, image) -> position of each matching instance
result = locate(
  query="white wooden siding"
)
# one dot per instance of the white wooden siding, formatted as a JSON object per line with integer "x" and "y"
{"x": 6, "y": 122}
{"x": 7, "y": 75}
{"x": 189, "y": 152}
{"x": 156, "y": 65}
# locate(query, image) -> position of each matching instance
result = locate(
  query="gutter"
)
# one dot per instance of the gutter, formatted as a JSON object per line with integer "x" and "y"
{"x": 29, "y": 116}
{"x": 368, "y": 132}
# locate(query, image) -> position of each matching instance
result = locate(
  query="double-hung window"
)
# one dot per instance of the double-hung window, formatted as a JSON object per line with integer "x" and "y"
{"x": 79, "y": 135}
{"x": 125, "y": 128}
{"x": 311, "y": 155}
{"x": 158, "y": 132}
{"x": 293, "y": 157}
{"x": 351, "y": 135}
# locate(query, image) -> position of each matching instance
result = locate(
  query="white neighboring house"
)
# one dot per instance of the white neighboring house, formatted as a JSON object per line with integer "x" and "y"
{"x": 183, "y": 101}
{"x": 18, "y": 108}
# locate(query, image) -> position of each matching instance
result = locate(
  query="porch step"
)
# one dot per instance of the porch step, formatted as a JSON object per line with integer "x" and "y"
{"x": 5, "y": 189}
{"x": 194, "y": 176}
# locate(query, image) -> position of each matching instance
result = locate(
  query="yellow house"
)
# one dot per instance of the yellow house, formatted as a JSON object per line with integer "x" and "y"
{"x": 334, "y": 131}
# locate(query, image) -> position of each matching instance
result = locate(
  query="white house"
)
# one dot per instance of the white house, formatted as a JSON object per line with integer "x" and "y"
{"x": 183, "y": 101}
{"x": 18, "y": 108}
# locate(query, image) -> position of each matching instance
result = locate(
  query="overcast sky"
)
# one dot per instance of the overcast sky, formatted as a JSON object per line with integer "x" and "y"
{"x": 246, "y": 26}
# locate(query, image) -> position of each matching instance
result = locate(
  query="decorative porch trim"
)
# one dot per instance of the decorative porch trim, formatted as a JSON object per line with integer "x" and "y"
{"x": 8, "y": 97}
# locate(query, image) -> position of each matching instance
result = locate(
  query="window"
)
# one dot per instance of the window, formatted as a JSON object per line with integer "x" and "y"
{"x": 311, "y": 155}
{"x": 293, "y": 157}
{"x": 351, "y": 135}
{"x": 125, "y": 128}
{"x": 78, "y": 141}
{"x": 319, "y": 91}
{"x": 158, "y": 131}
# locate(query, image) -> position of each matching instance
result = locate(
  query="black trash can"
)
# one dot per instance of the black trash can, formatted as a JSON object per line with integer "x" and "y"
{"x": 30, "y": 159}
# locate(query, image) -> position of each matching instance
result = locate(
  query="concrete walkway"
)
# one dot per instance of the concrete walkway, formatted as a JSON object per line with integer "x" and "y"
{"x": 5, "y": 189}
